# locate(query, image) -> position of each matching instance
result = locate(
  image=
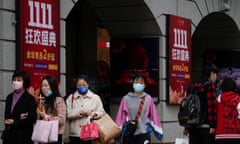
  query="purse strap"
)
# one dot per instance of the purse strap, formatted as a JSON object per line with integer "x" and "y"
{"x": 72, "y": 99}
{"x": 140, "y": 108}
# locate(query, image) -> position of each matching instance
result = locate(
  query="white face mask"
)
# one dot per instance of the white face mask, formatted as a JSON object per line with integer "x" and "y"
{"x": 17, "y": 85}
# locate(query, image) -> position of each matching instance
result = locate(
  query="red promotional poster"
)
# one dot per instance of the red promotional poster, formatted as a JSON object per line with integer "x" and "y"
{"x": 39, "y": 39}
{"x": 179, "y": 42}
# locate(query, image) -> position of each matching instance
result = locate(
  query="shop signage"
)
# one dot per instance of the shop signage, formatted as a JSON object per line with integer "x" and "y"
{"x": 38, "y": 39}
{"x": 179, "y": 49}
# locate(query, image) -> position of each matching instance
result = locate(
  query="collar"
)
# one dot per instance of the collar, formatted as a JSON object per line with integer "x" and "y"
{"x": 89, "y": 94}
{"x": 19, "y": 93}
{"x": 140, "y": 96}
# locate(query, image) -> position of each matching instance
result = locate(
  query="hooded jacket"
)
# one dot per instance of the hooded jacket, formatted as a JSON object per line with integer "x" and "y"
{"x": 149, "y": 119}
{"x": 228, "y": 116}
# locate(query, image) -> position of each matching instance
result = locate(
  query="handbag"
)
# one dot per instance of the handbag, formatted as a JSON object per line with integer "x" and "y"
{"x": 131, "y": 125}
{"x": 45, "y": 131}
{"x": 89, "y": 131}
{"x": 53, "y": 135}
{"x": 182, "y": 141}
{"x": 108, "y": 129}
{"x": 41, "y": 131}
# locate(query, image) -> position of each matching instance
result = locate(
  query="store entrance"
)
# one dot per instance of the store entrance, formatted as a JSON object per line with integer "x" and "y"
{"x": 90, "y": 26}
{"x": 215, "y": 40}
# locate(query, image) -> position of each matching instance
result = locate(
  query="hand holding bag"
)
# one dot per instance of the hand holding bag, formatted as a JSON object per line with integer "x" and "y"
{"x": 89, "y": 131}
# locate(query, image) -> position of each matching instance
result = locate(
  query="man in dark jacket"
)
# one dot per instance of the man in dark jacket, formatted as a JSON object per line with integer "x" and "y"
{"x": 205, "y": 132}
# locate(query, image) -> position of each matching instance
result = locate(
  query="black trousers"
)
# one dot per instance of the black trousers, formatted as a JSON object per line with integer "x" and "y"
{"x": 200, "y": 136}
{"x": 228, "y": 141}
{"x": 137, "y": 139}
{"x": 77, "y": 140}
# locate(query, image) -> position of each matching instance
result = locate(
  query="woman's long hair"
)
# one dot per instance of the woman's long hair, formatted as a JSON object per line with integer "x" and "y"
{"x": 49, "y": 101}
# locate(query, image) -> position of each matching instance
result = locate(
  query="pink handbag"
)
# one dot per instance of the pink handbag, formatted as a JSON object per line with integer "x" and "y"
{"x": 89, "y": 131}
{"x": 41, "y": 131}
{"x": 53, "y": 135}
{"x": 45, "y": 131}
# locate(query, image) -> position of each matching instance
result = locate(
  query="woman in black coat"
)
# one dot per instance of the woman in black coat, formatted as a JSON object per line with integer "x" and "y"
{"x": 20, "y": 111}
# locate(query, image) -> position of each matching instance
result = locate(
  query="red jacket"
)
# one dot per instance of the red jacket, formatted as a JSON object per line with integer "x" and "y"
{"x": 228, "y": 116}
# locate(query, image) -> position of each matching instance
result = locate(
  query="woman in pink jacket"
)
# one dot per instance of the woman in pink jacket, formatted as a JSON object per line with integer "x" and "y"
{"x": 54, "y": 104}
{"x": 148, "y": 120}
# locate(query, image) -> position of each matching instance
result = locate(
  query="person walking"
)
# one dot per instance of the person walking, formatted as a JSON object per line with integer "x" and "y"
{"x": 148, "y": 119}
{"x": 81, "y": 104}
{"x": 228, "y": 114}
{"x": 54, "y": 105}
{"x": 20, "y": 111}
{"x": 204, "y": 133}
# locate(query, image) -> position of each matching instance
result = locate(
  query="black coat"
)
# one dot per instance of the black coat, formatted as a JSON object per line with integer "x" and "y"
{"x": 21, "y": 131}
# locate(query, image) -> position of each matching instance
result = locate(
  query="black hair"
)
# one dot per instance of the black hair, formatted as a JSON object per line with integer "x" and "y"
{"x": 49, "y": 101}
{"x": 83, "y": 77}
{"x": 228, "y": 84}
{"x": 208, "y": 68}
{"x": 25, "y": 76}
{"x": 139, "y": 76}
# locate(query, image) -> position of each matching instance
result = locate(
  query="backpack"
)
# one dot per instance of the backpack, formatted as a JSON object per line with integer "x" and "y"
{"x": 189, "y": 114}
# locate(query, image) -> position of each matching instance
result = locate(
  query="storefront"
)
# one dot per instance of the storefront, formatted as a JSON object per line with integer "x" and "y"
{"x": 101, "y": 38}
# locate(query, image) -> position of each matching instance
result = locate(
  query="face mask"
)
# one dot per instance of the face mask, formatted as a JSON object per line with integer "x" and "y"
{"x": 82, "y": 89}
{"x": 17, "y": 85}
{"x": 138, "y": 87}
{"x": 49, "y": 93}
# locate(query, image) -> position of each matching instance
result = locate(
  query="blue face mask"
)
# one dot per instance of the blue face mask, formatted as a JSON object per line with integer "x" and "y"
{"x": 82, "y": 90}
{"x": 49, "y": 93}
{"x": 138, "y": 87}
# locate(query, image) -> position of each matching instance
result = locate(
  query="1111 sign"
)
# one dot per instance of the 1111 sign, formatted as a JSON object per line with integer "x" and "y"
{"x": 179, "y": 41}
{"x": 40, "y": 27}
{"x": 39, "y": 38}
{"x": 180, "y": 38}
{"x": 180, "y": 48}
{"x": 40, "y": 10}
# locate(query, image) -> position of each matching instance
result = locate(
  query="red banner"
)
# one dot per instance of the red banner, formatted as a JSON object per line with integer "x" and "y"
{"x": 39, "y": 39}
{"x": 179, "y": 41}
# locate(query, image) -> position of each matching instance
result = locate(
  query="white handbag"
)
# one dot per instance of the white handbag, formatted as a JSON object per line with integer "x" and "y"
{"x": 184, "y": 140}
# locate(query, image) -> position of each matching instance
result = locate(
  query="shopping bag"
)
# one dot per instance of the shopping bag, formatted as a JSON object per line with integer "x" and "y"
{"x": 89, "y": 131}
{"x": 108, "y": 129}
{"x": 41, "y": 131}
{"x": 181, "y": 141}
{"x": 53, "y": 135}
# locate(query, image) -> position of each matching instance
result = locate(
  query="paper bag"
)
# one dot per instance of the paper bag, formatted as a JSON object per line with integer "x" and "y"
{"x": 108, "y": 129}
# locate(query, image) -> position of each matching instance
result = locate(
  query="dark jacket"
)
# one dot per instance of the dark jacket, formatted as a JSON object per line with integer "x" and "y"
{"x": 21, "y": 131}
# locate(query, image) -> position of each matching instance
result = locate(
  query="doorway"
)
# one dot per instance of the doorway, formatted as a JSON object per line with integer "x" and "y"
{"x": 91, "y": 25}
{"x": 216, "y": 33}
